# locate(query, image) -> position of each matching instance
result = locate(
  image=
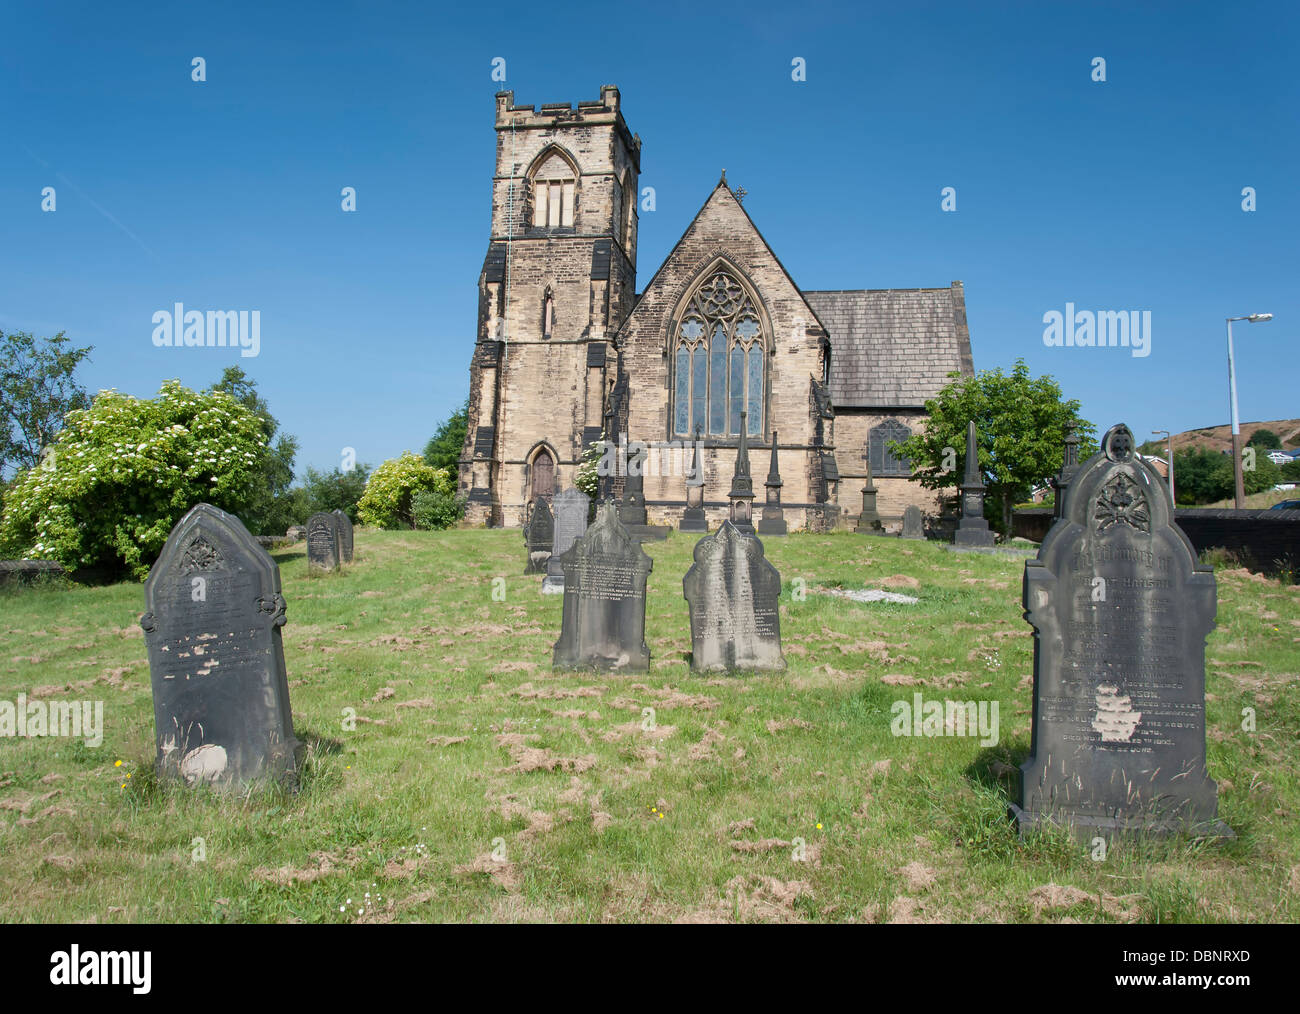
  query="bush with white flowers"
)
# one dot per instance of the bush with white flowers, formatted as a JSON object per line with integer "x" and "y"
{"x": 121, "y": 473}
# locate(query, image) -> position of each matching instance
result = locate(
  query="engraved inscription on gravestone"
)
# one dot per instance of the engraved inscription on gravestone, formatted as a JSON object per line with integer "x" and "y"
{"x": 345, "y": 535}
{"x": 605, "y": 575}
{"x": 1120, "y": 610}
{"x": 571, "y": 509}
{"x": 733, "y": 593}
{"x": 213, "y": 612}
{"x": 539, "y": 536}
{"x": 324, "y": 551}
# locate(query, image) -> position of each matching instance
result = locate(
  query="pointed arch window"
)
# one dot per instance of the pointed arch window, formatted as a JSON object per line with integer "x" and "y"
{"x": 719, "y": 366}
{"x": 554, "y": 192}
{"x": 883, "y": 460}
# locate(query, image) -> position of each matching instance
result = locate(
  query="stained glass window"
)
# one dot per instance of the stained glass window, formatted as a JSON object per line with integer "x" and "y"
{"x": 719, "y": 361}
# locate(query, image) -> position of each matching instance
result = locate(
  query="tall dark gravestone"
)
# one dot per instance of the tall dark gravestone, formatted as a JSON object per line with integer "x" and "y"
{"x": 632, "y": 514}
{"x": 732, "y": 591}
{"x": 344, "y": 524}
{"x": 693, "y": 519}
{"x": 539, "y": 536}
{"x": 973, "y": 528}
{"x": 741, "y": 495}
{"x": 213, "y": 613}
{"x": 605, "y": 575}
{"x": 571, "y": 509}
{"x": 1120, "y": 610}
{"x": 324, "y": 547}
{"x": 773, "y": 519}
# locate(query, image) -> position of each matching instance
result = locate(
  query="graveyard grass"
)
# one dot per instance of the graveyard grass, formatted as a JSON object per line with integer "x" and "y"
{"x": 466, "y": 744}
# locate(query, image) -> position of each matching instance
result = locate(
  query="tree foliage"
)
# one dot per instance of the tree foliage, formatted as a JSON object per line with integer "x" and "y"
{"x": 122, "y": 472}
{"x": 37, "y": 390}
{"x": 269, "y": 509}
{"x": 445, "y": 446}
{"x": 1265, "y": 440}
{"x": 1021, "y": 423}
{"x": 386, "y": 502}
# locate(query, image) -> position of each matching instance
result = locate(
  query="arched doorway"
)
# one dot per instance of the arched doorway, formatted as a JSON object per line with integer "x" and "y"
{"x": 542, "y": 476}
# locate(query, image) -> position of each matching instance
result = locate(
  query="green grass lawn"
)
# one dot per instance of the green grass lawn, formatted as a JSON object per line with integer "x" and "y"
{"x": 479, "y": 785}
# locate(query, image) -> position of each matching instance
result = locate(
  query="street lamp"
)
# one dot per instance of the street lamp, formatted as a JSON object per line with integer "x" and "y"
{"x": 1166, "y": 433}
{"x": 1240, "y": 490}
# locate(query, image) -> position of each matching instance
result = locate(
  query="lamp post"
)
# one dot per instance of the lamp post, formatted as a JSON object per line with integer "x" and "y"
{"x": 1240, "y": 487}
{"x": 1170, "y": 436}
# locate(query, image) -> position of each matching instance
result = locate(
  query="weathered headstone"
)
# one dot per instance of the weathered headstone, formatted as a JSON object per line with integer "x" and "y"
{"x": 296, "y": 533}
{"x": 324, "y": 548}
{"x": 345, "y": 535}
{"x": 213, "y": 613}
{"x": 1120, "y": 610}
{"x": 539, "y": 536}
{"x": 913, "y": 523}
{"x": 605, "y": 575}
{"x": 973, "y": 528}
{"x": 732, "y": 591}
{"x": 571, "y": 509}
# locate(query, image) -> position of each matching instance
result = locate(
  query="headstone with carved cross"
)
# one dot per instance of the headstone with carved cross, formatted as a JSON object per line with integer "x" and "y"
{"x": 213, "y": 613}
{"x": 1120, "y": 610}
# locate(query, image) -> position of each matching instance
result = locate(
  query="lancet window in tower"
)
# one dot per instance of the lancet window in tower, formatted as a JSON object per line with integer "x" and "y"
{"x": 554, "y": 190}
{"x": 719, "y": 363}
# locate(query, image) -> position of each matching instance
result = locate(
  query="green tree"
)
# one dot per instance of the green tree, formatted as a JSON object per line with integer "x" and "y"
{"x": 1265, "y": 475}
{"x": 445, "y": 446}
{"x": 270, "y": 507}
{"x": 1265, "y": 440}
{"x": 386, "y": 502}
{"x": 1202, "y": 476}
{"x": 37, "y": 390}
{"x": 1021, "y": 423}
{"x": 333, "y": 490}
{"x": 123, "y": 471}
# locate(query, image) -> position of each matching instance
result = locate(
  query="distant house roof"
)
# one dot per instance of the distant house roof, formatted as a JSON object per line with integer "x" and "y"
{"x": 893, "y": 348}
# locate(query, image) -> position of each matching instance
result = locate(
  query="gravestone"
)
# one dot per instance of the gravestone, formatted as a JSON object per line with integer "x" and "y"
{"x": 1120, "y": 610}
{"x": 773, "y": 520}
{"x": 869, "y": 520}
{"x": 732, "y": 591}
{"x": 539, "y": 536}
{"x": 693, "y": 519}
{"x": 973, "y": 529}
{"x": 324, "y": 548}
{"x": 913, "y": 523}
{"x": 213, "y": 613}
{"x": 345, "y": 535}
{"x": 296, "y": 533}
{"x": 571, "y": 509}
{"x": 605, "y": 575}
{"x": 632, "y": 513}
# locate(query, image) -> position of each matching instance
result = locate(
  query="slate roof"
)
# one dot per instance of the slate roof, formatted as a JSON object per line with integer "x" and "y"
{"x": 893, "y": 348}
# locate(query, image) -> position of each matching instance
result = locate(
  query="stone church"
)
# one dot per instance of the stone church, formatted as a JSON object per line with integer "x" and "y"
{"x": 568, "y": 349}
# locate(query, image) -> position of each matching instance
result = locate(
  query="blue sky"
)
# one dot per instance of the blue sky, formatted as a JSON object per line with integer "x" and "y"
{"x": 225, "y": 194}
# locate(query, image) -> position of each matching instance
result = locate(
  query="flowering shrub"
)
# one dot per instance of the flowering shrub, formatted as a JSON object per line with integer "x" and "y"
{"x": 121, "y": 473}
{"x": 386, "y": 503}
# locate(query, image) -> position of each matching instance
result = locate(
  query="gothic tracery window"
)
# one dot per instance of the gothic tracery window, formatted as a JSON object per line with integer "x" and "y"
{"x": 883, "y": 460}
{"x": 718, "y": 361}
{"x": 554, "y": 189}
